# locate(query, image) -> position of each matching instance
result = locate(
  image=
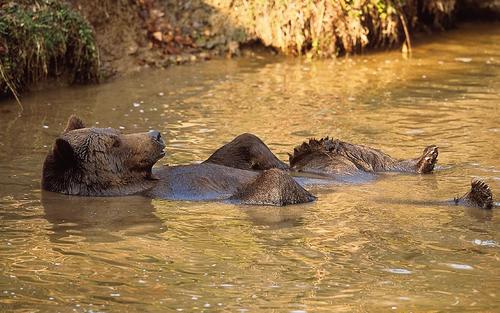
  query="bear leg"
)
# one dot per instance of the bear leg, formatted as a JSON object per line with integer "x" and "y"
{"x": 246, "y": 152}
{"x": 273, "y": 187}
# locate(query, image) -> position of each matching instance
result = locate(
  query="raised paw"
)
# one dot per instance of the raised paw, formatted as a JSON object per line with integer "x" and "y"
{"x": 480, "y": 195}
{"x": 428, "y": 160}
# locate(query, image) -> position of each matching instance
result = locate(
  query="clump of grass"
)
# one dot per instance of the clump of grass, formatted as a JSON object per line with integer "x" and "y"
{"x": 41, "y": 38}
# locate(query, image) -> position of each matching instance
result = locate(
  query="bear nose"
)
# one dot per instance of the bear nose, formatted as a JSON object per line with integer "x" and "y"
{"x": 155, "y": 135}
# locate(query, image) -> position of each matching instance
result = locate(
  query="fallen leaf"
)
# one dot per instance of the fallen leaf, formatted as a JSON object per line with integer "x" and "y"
{"x": 158, "y": 36}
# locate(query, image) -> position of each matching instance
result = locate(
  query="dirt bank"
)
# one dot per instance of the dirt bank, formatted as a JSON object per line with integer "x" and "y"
{"x": 130, "y": 34}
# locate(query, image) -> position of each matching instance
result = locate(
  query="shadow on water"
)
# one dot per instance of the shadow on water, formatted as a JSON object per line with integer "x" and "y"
{"x": 99, "y": 219}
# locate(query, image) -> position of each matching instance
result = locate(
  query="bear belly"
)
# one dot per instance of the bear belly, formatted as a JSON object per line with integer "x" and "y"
{"x": 198, "y": 182}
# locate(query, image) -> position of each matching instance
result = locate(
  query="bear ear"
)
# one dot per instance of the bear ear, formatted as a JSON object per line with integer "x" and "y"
{"x": 64, "y": 155}
{"x": 74, "y": 122}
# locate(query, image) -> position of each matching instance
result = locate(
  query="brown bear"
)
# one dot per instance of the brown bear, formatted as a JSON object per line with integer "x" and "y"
{"x": 334, "y": 157}
{"x": 246, "y": 152}
{"x": 323, "y": 157}
{"x": 337, "y": 159}
{"x": 104, "y": 162}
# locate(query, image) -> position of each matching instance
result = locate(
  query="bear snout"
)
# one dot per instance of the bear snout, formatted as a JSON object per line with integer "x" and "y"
{"x": 155, "y": 135}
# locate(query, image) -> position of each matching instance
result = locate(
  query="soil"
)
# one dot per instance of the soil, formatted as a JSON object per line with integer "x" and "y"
{"x": 134, "y": 34}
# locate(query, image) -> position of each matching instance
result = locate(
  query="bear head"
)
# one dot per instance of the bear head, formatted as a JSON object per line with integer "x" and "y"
{"x": 101, "y": 161}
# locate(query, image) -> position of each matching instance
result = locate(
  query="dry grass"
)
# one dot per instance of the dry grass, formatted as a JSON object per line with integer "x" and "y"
{"x": 330, "y": 27}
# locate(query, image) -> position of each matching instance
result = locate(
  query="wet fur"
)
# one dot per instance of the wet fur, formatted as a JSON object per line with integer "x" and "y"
{"x": 338, "y": 157}
{"x": 100, "y": 161}
{"x": 479, "y": 196}
{"x": 104, "y": 162}
{"x": 246, "y": 152}
{"x": 285, "y": 190}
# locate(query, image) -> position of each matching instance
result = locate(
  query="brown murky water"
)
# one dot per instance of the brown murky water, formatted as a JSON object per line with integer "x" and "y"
{"x": 360, "y": 247}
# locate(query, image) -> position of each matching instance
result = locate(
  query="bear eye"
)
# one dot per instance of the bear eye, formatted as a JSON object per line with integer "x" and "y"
{"x": 117, "y": 142}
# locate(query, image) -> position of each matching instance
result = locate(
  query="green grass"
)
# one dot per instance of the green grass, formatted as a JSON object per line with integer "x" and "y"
{"x": 42, "y": 38}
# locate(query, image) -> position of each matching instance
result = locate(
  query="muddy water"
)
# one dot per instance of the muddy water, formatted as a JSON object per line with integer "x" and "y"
{"x": 377, "y": 246}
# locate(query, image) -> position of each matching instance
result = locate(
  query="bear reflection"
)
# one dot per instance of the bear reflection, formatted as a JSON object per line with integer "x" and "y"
{"x": 100, "y": 219}
{"x": 277, "y": 217}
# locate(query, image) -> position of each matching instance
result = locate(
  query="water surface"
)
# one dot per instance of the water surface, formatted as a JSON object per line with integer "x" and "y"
{"x": 377, "y": 246}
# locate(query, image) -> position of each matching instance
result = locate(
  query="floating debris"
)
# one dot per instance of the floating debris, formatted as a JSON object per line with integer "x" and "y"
{"x": 485, "y": 243}
{"x": 464, "y": 60}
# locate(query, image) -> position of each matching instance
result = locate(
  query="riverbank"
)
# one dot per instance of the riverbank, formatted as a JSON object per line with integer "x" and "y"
{"x": 86, "y": 43}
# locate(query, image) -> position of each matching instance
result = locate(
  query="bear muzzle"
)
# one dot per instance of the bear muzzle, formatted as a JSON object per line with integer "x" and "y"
{"x": 158, "y": 139}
